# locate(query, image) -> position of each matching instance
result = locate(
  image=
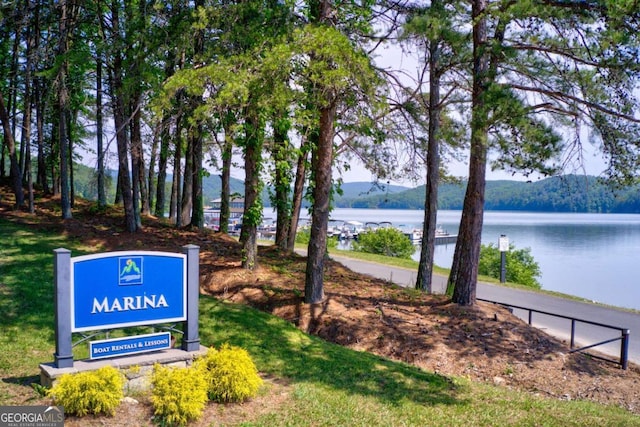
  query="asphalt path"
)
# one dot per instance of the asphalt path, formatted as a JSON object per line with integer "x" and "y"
{"x": 584, "y": 334}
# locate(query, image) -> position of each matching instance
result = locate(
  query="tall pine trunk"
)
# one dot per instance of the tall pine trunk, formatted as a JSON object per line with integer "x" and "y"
{"x": 151, "y": 172}
{"x": 225, "y": 177}
{"x": 321, "y": 161}
{"x": 429, "y": 226}
{"x": 102, "y": 195}
{"x": 177, "y": 174}
{"x": 64, "y": 110}
{"x": 186, "y": 203}
{"x": 252, "y": 214}
{"x": 163, "y": 164}
{"x": 464, "y": 272}
{"x": 298, "y": 194}
{"x": 197, "y": 209}
{"x": 281, "y": 158}
{"x": 138, "y": 187}
{"x": 16, "y": 175}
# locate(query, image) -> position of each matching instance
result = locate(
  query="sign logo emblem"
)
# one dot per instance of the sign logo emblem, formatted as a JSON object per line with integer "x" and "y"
{"x": 130, "y": 270}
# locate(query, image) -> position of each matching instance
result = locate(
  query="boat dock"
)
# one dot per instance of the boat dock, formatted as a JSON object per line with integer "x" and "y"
{"x": 446, "y": 240}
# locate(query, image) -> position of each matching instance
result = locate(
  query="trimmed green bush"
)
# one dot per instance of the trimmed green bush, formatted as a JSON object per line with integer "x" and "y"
{"x": 93, "y": 392}
{"x": 231, "y": 373}
{"x": 179, "y": 395}
{"x": 385, "y": 241}
{"x": 521, "y": 267}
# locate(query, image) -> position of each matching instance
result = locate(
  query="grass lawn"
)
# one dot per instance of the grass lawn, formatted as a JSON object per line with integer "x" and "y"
{"x": 326, "y": 384}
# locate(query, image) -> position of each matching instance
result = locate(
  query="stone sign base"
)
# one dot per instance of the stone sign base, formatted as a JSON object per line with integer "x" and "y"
{"x": 136, "y": 368}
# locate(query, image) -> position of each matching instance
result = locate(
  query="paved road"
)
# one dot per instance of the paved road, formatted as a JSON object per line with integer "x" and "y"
{"x": 585, "y": 334}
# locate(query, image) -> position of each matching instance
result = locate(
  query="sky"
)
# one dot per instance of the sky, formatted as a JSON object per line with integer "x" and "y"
{"x": 395, "y": 58}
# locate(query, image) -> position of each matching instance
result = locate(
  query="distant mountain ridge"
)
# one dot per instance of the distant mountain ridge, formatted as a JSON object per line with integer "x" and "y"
{"x": 569, "y": 193}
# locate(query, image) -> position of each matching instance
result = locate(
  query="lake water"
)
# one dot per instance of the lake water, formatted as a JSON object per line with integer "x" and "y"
{"x": 594, "y": 256}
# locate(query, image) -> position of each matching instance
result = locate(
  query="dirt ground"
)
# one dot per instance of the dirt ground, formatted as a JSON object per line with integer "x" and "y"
{"x": 483, "y": 343}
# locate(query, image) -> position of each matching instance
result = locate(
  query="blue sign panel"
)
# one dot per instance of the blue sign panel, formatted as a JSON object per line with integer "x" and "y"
{"x": 119, "y": 289}
{"x": 129, "y": 345}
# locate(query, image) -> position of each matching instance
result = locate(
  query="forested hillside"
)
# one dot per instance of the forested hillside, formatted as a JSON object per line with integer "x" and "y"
{"x": 569, "y": 193}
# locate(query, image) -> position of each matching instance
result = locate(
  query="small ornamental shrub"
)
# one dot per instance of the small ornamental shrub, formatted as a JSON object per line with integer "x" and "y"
{"x": 231, "y": 373}
{"x": 179, "y": 395}
{"x": 93, "y": 392}
{"x": 521, "y": 267}
{"x": 385, "y": 241}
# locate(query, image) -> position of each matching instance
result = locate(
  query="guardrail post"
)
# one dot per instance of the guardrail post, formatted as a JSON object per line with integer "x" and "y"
{"x": 624, "y": 349}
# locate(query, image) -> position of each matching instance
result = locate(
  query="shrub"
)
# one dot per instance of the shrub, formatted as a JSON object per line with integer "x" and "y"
{"x": 231, "y": 373}
{"x": 303, "y": 236}
{"x": 520, "y": 266}
{"x": 179, "y": 395}
{"x": 385, "y": 241}
{"x": 93, "y": 392}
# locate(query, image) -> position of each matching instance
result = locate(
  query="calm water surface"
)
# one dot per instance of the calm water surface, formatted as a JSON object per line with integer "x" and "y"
{"x": 594, "y": 256}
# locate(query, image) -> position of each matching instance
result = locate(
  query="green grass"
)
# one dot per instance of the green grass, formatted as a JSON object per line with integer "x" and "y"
{"x": 327, "y": 385}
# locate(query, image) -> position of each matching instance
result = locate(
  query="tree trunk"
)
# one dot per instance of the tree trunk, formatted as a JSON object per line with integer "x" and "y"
{"x": 137, "y": 169}
{"x": 119, "y": 100}
{"x": 102, "y": 195}
{"x": 197, "y": 203}
{"x": 26, "y": 120}
{"x": 177, "y": 175}
{"x": 225, "y": 178}
{"x": 124, "y": 178}
{"x": 281, "y": 158}
{"x": 252, "y": 214}
{"x": 72, "y": 182}
{"x": 197, "y": 210}
{"x": 165, "y": 141}
{"x": 187, "y": 185}
{"x": 16, "y": 175}
{"x": 464, "y": 271}
{"x": 429, "y": 226}
{"x": 321, "y": 161}
{"x": 10, "y": 106}
{"x": 53, "y": 155}
{"x": 163, "y": 164}
{"x": 298, "y": 194}
{"x": 41, "y": 173}
{"x": 151, "y": 172}
{"x": 64, "y": 112}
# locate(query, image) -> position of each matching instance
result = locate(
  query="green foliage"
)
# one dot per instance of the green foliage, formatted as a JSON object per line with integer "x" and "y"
{"x": 303, "y": 236}
{"x": 179, "y": 395}
{"x": 232, "y": 375}
{"x": 385, "y": 241}
{"x": 92, "y": 392}
{"x": 521, "y": 268}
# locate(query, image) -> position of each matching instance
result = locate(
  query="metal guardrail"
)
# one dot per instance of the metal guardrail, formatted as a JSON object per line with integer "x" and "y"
{"x": 624, "y": 332}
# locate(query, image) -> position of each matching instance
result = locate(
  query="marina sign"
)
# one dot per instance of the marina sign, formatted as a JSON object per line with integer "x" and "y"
{"x": 115, "y": 290}
{"x": 120, "y": 289}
